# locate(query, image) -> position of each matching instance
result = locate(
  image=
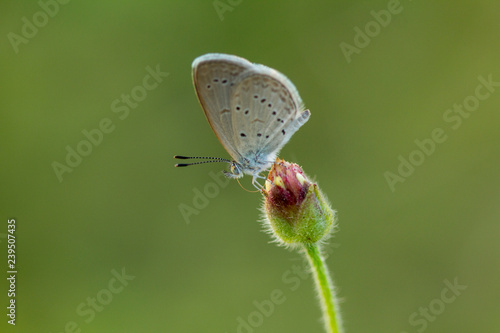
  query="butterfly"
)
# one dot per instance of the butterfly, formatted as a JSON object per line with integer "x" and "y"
{"x": 253, "y": 110}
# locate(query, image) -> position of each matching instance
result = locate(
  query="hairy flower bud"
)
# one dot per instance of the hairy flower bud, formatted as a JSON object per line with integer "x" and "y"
{"x": 295, "y": 208}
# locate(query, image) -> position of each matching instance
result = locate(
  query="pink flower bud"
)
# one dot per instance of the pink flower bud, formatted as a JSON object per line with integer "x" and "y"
{"x": 296, "y": 210}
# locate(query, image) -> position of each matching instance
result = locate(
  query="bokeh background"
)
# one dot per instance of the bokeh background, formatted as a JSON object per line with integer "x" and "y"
{"x": 118, "y": 209}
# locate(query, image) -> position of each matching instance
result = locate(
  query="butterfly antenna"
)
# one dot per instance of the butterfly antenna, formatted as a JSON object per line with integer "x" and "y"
{"x": 210, "y": 160}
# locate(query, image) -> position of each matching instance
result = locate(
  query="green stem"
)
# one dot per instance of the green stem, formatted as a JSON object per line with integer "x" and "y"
{"x": 324, "y": 287}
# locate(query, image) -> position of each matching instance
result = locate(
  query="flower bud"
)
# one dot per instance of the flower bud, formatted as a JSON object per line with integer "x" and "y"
{"x": 296, "y": 210}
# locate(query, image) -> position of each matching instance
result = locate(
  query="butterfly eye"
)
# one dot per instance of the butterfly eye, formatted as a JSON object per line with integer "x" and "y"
{"x": 234, "y": 169}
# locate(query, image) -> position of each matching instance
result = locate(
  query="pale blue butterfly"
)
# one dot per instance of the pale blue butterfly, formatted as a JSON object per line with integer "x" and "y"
{"x": 253, "y": 110}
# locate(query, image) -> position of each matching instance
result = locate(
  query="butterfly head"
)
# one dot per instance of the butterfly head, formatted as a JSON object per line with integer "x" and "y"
{"x": 235, "y": 170}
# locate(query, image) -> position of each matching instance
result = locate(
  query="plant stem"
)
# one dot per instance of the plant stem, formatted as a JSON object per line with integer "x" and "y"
{"x": 324, "y": 288}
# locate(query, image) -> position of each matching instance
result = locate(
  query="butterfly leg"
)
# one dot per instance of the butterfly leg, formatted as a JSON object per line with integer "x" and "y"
{"x": 256, "y": 175}
{"x": 255, "y": 183}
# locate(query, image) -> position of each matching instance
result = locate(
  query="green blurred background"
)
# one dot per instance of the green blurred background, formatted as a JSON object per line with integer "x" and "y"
{"x": 119, "y": 208}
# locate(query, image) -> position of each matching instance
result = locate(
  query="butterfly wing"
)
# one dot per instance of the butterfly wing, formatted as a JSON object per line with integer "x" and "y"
{"x": 215, "y": 77}
{"x": 267, "y": 111}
